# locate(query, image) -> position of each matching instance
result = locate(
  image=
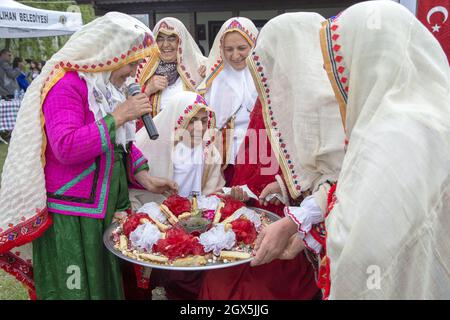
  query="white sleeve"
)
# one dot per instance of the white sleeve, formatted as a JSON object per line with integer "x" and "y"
{"x": 305, "y": 216}
{"x": 308, "y": 214}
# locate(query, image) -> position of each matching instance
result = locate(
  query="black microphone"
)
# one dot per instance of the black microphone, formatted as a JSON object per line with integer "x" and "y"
{"x": 134, "y": 89}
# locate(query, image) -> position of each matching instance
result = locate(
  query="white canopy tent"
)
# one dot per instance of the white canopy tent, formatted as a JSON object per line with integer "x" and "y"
{"x": 20, "y": 21}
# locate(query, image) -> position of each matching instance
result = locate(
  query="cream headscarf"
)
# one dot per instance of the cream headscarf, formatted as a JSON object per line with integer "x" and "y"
{"x": 171, "y": 124}
{"x": 215, "y": 62}
{"x": 388, "y": 234}
{"x": 226, "y": 89}
{"x": 300, "y": 111}
{"x": 104, "y": 45}
{"x": 189, "y": 57}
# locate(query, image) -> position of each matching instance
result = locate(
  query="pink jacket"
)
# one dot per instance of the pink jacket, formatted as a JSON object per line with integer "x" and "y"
{"x": 80, "y": 152}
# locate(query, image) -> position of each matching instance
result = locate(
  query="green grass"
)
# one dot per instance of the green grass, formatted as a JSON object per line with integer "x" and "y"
{"x": 10, "y": 288}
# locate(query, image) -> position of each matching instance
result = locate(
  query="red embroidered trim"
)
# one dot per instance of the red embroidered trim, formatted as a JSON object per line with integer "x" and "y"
{"x": 331, "y": 199}
{"x": 324, "y": 278}
{"x": 237, "y": 25}
{"x": 26, "y": 231}
{"x": 324, "y": 281}
{"x": 309, "y": 247}
{"x": 20, "y": 269}
{"x": 292, "y": 215}
{"x": 198, "y": 101}
{"x": 183, "y": 68}
{"x": 304, "y": 233}
{"x": 165, "y": 25}
{"x": 66, "y": 65}
{"x": 281, "y": 143}
{"x": 342, "y": 70}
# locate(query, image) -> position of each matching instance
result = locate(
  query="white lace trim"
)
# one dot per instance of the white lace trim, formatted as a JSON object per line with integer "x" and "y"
{"x": 305, "y": 216}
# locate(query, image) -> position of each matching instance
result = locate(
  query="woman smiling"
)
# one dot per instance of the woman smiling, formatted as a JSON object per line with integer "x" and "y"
{"x": 228, "y": 86}
{"x": 178, "y": 67}
{"x": 74, "y": 135}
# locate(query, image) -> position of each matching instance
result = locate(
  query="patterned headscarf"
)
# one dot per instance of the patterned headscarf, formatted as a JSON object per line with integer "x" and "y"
{"x": 189, "y": 57}
{"x": 104, "y": 45}
{"x": 169, "y": 70}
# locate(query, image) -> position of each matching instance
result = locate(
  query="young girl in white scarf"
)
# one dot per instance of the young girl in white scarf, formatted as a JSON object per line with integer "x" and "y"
{"x": 185, "y": 152}
{"x": 184, "y": 149}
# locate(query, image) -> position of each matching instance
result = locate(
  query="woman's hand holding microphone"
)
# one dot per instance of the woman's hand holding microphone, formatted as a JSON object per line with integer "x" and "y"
{"x": 133, "y": 108}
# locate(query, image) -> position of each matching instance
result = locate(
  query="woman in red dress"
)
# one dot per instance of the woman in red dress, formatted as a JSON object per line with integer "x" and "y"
{"x": 264, "y": 282}
{"x": 297, "y": 129}
{"x": 228, "y": 87}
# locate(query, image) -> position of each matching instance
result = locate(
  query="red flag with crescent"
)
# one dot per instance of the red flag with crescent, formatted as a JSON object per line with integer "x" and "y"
{"x": 435, "y": 15}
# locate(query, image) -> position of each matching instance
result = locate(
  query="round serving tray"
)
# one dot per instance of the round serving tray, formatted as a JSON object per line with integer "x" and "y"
{"x": 109, "y": 243}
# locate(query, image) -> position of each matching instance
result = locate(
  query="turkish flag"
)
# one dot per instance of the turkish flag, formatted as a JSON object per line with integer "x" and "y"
{"x": 434, "y": 14}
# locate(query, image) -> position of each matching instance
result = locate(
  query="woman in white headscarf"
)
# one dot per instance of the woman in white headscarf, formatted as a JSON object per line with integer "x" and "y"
{"x": 228, "y": 86}
{"x": 387, "y": 220}
{"x": 65, "y": 175}
{"x": 297, "y": 109}
{"x": 387, "y": 232}
{"x": 185, "y": 153}
{"x": 305, "y": 131}
{"x": 182, "y": 153}
{"x": 178, "y": 68}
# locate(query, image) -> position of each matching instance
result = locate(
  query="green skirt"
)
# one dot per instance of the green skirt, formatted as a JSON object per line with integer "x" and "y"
{"x": 70, "y": 260}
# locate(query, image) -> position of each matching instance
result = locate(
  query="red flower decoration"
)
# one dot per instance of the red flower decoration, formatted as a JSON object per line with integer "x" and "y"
{"x": 133, "y": 221}
{"x": 177, "y": 204}
{"x": 245, "y": 230}
{"x": 231, "y": 205}
{"x": 178, "y": 243}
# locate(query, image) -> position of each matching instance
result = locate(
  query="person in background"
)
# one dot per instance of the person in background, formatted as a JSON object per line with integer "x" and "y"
{"x": 19, "y": 65}
{"x": 8, "y": 83}
{"x": 34, "y": 70}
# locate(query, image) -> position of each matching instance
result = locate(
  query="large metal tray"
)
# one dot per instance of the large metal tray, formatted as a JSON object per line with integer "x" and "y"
{"x": 109, "y": 243}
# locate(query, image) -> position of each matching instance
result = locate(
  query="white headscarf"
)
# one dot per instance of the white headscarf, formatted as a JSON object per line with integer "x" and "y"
{"x": 300, "y": 111}
{"x": 231, "y": 90}
{"x": 104, "y": 45}
{"x": 171, "y": 124}
{"x": 189, "y": 57}
{"x": 227, "y": 90}
{"x": 215, "y": 63}
{"x": 388, "y": 234}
